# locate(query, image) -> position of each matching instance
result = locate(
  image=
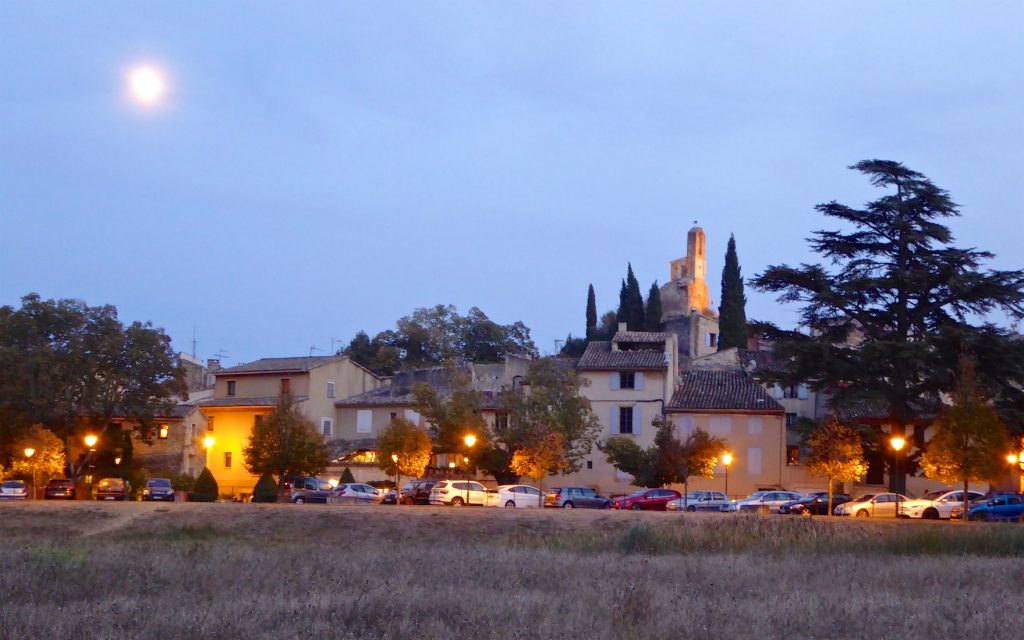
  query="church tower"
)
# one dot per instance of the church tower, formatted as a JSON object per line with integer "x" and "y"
{"x": 687, "y": 288}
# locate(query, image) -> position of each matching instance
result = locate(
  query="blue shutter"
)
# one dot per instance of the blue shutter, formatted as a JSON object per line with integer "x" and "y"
{"x": 636, "y": 420}
{"x": 613, "y": 380}
{"x": 638, "y": 380}
{"x": 615, "y": 420}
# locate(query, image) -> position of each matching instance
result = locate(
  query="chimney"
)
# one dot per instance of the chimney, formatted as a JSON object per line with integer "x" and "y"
{"x": 622, "y": 327}
{"x": 212, "y": 364}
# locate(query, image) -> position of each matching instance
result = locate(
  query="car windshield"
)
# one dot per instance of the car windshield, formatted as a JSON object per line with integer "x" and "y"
{"x": 756, "y": 495}
{"x": 110, "y": 482}
{"x": 934, "y": 495}
{"x": 12, "y": 484}
{"x": 163, "y": 484}
{"x": 864, "y": 498}
{"x": 637, "y": 494}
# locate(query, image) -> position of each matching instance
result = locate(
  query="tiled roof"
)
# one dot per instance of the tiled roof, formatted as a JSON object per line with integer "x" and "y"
{"x": 721, "y": 391}
{"x": 382, "y": 397}
{"x": 646, "y": 337}
{"x": 763, "y": 361}
{"x": 878, "y": 411}
{"x": 600, "y": 357}
{"x": 272, "y": 365}
{"x": 232, "y": 401}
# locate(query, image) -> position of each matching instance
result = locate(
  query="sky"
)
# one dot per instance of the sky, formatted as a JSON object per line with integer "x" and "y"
{"x": 318, "y": 168}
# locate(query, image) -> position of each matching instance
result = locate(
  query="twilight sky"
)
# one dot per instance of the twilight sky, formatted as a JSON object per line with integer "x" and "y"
{"x": 321, "y": 168}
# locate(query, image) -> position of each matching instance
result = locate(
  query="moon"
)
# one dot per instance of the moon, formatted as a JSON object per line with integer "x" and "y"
{"x": 147, "y": 85}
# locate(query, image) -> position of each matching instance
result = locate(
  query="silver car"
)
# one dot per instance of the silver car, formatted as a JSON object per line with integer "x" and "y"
{"x": 937, "y": 504}
{"x": 872, "y": 505}
{"x": 763, "y": 501}
{"x": 698, "y": 501}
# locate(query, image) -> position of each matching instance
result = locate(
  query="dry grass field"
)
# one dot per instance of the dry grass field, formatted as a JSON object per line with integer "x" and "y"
{"x": 87, "y": 570}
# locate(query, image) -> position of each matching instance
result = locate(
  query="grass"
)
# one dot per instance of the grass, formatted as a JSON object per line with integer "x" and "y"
{"x": 270, "y": 571}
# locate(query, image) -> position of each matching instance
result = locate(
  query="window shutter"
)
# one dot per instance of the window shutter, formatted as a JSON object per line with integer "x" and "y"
{"x": 615, "y": 420}
{"x": 802, "y": 392}
{"x": 777, "y": 391}
{"x": 639, "y": 380}
{"x": 613, "y": 379}
{"x": 636, "y": 420}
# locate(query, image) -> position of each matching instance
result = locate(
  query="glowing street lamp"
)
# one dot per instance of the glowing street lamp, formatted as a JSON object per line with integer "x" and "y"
{"x": 896, "y": 442}
{"x": 90, "y": 441}
{"x": 726, "y": 460}
{"x": 1017, "y": 460}
{"x": 398, "y": 477}
{"x": 29, "y": 452}
{"x": 208, "y": 442}
{"x": 451, "y": 468}
{"x": 470, "y": 440}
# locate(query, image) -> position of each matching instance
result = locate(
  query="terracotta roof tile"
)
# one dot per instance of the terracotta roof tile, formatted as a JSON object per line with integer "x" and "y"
{"x": 721, "y": 391}
{"x": 645, "y": 337}
{"x": 271, "y": 365}
{"x": 599, "y": 356}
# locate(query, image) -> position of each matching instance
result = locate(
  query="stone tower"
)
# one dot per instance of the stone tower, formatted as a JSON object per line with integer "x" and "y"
{"x": 687, "y": 289}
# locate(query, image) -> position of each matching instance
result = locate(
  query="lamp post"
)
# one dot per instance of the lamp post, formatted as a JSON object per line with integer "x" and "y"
{"x": 29, "y": 452}
{"x": 398, "y": 479}
{"x": 1017, "y": 460}
{"x": 470, "y": 440}
{"x": 726, "y": 460}
{"x": 451, "y": 469}
{"x": 896, "y": 442}
{"x": 90, "y": 441}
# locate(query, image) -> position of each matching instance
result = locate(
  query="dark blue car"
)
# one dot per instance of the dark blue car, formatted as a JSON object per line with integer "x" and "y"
{"x": 1003, "y": 507}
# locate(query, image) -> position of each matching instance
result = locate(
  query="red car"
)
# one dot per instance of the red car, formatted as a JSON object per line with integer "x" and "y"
{"x": 647, "y": 500}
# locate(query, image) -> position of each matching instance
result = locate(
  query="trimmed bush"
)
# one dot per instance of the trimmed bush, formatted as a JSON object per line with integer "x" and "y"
{"x": 265, "y": 489}
{"x": 205, "y": 488}
{"x": 347, "y": 477}
{"x": 182, "y": 481}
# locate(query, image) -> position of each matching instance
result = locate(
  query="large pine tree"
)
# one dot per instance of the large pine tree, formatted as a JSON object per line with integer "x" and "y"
{"x": 652, "y": 315}
{"x": 888, "y": 311}
{"x": 591, "y": 313}
{"x": 732, "y": 314}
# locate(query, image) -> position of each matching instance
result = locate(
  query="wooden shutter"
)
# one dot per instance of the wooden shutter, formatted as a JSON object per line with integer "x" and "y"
{"x": 613, "y": 380}
{"x": 638, "y": 381}
{"x": 615, "y": 420}
{"x": 636, "y": 420}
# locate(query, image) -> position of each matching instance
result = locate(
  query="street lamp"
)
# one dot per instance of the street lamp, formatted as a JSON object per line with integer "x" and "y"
{"x": 398, "y": 478}
{"x": 726, "y": 460}
{"x": 470, "y": 440}
{"x": 451, "y": 469}
{"x": 896, "y": 442}
{"x": 29, "y": 452}
{"x": 90, "y": 441}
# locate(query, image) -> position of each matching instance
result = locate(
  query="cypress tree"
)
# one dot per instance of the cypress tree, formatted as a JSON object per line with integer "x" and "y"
{"x": 732, "y": 320}
{"x": 653, "y": 313}
{"x": 634, "y": 302}
{"x": 622, "y": 315}
{"x": 591, "y": 313}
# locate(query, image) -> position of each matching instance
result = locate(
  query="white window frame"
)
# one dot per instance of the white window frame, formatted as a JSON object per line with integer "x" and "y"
{"x": 332, "y": 389}
{"x": 364, "y": 420}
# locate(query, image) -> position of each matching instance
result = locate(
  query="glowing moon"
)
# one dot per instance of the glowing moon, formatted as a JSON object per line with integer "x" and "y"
{"x": 146, "y": 85}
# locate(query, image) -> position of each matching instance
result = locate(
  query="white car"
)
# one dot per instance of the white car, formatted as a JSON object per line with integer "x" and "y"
{"x": 698, "y": 501}
{"x": 519, "y": 495}
{"x": 759, "y": 500}
{"x": 937, "y": 504}
{"x": 358, "y": 492}
{"x": 457, "y": 493}
{"x": 872, "y": 505}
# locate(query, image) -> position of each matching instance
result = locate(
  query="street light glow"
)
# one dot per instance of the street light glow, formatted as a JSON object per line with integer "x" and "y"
{"x": 394, "y": 457}
{"x": 91, "y": 440}
{"x": 208, "y": 442}
{"x": 470, "y": 440}
{"x": 727, "y": 459}
{"x": 29, "y": 452}
{"x": 1012, "y": 458}
{"x": 897, "y": 442}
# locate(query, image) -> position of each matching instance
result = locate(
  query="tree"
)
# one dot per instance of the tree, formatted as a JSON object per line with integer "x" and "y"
{"x": 543, "y": 455}
{"x": 631, "y": 302}
{"x": 652, "y": 315}
{"x": 732, "y": 314}
{"x": 836, "y": 453}
{"x": 670, "y": 460}
{"x": 347, "y": 477}
{"x": 591, "y": 329}
{"x": 265, "y": 489}
{"x": 205, "y": 488}
{"x": 47, "y": 460}
{"x": 608, "y": 326}
{"x": 888, "y": 319}
{"x": 403, "y": 449}
{"x": 453, "y": 412}
{"x": 549, "y": 401}
{"x": 285, "y": 443}
{"x": 969, "y": 441}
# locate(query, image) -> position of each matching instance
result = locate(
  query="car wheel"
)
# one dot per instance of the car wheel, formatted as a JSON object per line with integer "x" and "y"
{"x": 299, "y": 500}
{"x": 567, "y": 505}
{"x": 635, "y": 506}
{"x": 863, "y": 513}
{"x": 456, "y": 502}
{"x": 171, "y": 499}
{"x": 930, "y": 514}
{"x": 691, "y": 508}
{"x": 510, "y": 504}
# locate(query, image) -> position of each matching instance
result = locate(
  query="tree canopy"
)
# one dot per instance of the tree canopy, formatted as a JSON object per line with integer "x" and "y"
{"x": 403, "y": 449}
{"x": 889, "y": 312}
{"x": 591, "y": 319}
{"x": 64, "y": 363}
{"x": 837, "y": 454}
{"x": 670, "y": 460}
{"x": 653, "y": 312}
{"x": 433, "y": 336}
{"x": 285, "y": 443}
{"x": 47, "y": 460}
{"x": 732, "y": 314}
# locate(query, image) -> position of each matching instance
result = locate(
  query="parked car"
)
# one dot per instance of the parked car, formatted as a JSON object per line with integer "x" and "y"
{"x": 309, "y": 489}
{"x": 59, "y": 489}
{"x": 815, "y": 504}
{"x": 417, "y": 491}
{"x": 763, "y": 501}
{"x": 957, "y": 512}
{"x": 112, "y": 489}
{"x": 518, "y": 496}
{"x": 646, "y": 500}
{"x": 698, "y": 501}
{"x": 13, "y": 490}
{"x": 937, "y": 504}
{"x": 390, "y": 497}
{"x": 872, "y": 505}
{"x": 158, "y": 489}
{"x": 358, "y": 492}
{"x": 458, "y": 493}
{"x": 1003, "y": 507}
{"x": 576, "y": 498}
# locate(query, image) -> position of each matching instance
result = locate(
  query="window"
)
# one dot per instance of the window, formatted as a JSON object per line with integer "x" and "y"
{"x": 412, "y": 416}
{"x": 227, "y": 459}
{"x": 327, "y": 425}
{"x": 792, "y": 456}
{"x": 286, "y": 386}
{"x": 364, "y": 418}
{"x": 590, "y": 464}
{"x": 625, "y": 419}
{"x": 330, "y": 388}
{"x": 393, "y": 416}
{"x": 790, "y": 421}
{"x": 163, "y": 432}
{"x": 501, "y": 421}
{"x": 721, "y": 426}
{"x": 789, "y": 391}
{"x": 209, "y": 423}
{"x": 754, "y": 466}
{"x": 710, "y": 339}
{"x": 627, "y": 380}
{"x": 755, "y": 425}
{"x": 231, "y": 387}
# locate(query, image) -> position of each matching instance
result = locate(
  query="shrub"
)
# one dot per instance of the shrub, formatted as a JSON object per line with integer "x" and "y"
{"x": 182, "y": 481}
{"x": 205, "y": 488}
{"x": 136, "y": 478}
{"x": 347, "y": 477}
{"x": 265, "y": 489}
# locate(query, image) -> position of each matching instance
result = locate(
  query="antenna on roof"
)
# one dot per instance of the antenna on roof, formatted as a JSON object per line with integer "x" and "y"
{"x": 312, "y": 349}
{"x": 221, "y": 354}
{"x": 194, "y": 341}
